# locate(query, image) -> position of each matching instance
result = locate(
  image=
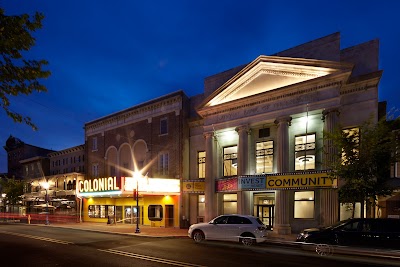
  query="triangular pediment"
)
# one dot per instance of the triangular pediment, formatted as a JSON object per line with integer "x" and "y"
{"x": 268, "y": 73}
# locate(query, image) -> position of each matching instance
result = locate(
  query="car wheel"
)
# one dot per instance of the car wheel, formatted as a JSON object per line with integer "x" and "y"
{"x": 247, "y": 240}
{"x": 198, "y": 236}
{"x": 324, "y": 249}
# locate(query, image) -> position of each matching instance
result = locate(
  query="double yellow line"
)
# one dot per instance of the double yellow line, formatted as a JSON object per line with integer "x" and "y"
{"x": 38, "y": 238}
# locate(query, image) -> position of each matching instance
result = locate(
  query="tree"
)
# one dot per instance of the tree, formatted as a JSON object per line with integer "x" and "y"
{"x": 363, "y": 159}
{"x": 14, "y": 189}
{"x": 19, "y": 75}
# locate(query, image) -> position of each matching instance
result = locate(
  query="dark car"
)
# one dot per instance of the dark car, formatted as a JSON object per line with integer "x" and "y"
{"x": 362, "y": 232}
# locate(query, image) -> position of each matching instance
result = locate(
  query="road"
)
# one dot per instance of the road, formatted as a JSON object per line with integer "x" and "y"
{"x": 29, "y": 245}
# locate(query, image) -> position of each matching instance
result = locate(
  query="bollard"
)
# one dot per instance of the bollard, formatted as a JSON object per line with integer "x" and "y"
{"x": 29, "y": 219}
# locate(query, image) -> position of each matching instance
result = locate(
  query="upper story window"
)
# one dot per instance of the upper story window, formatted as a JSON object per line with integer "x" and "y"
{"x": 264, "y": 156}
{"x": 164, "y": 126}
{"x": 94, "y": 144}
{"x": 353, "y": 135}
{"x": 163, "y": 164}
{"x": 230, "y": 161}
{"x": 201, "y": 163}
{"x": 95, "y": 170}
{"x": 304, "y": 152}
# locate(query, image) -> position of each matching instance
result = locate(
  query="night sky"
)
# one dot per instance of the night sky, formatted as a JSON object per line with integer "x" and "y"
{"x": 106, "y": 56}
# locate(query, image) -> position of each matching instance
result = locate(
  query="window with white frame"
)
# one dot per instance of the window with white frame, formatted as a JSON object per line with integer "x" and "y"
{"x": 230, "y": 203}
{"x": 163, "y": 164}
{"x": 201, "y": 163}
{"x": 164, "y": 126}
{"x": 304, "y": 205}
{"x": 230, "y": 161}
{"x": 94, "y": 145}
{"x": 264, "y": 156}
{"x": 95, "y": 169}
{"x": 305, "y": 152}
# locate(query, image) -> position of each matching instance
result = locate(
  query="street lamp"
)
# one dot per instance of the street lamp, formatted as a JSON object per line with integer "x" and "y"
{"x": 46, "y": 186}
{"x": 137, "y": 175}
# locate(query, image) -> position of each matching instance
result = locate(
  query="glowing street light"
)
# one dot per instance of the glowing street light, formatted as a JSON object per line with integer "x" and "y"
{"x": 46, "y": 186}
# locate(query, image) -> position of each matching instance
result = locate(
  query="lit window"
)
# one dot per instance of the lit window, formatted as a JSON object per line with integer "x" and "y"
{"x": 230, "y": 161}
{"x": 264, "y": 156}
{"x": 163, "y": 126}
{"x": 201, "y": 163}
{"x": 230, "y": 203}
{"x": 305, "y": 152}
{"x": 201, "y": 206}
{"x": 351, "y": 154}
{"x": 304, "y": 205}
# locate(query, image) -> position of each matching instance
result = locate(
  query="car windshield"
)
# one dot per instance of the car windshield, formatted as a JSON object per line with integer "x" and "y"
{"x": 335, "y": 225}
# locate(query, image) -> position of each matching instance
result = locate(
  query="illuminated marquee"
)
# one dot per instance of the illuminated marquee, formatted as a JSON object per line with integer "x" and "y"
{"x": 301, "y": 180}
{"x": 152, "y": 185}
{"x": 99, "y": 185}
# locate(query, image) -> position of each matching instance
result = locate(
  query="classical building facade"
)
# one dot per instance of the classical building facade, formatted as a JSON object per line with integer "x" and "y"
{"x": 257, "y": 145}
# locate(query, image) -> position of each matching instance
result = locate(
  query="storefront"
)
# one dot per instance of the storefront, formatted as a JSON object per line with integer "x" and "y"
{"x": 114, "y": 200}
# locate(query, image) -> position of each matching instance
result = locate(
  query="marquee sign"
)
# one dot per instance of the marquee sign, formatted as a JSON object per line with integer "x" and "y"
{"x": 108, "y": 185}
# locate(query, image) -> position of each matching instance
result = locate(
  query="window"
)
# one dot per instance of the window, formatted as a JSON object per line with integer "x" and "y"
{"x": 95, "y": 170}
{"x": 163, "y": 164}
{"x": 201, "y": 163}
{"x": 305, "y": 152}
{"x": 230, "y": 203}
{"x": 264, "y": 156}
{"x": 262, "y": 133}
{"x": 163, "y": 126}
{"x": 230, "y": 161}
{"x": 155, "y": 212}
{"x": 100, "y": 211}
{"x": 94, "y": 145}
{"x": 201, "y": 206}
{"x": 353, "y": 135}
{"x": 304, "y": 205}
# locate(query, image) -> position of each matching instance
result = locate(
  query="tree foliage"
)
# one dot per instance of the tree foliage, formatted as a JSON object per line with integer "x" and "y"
{"x": 363, "y": 159}
{"x": 17, "y": 74}
{"x": 14, "y": 189}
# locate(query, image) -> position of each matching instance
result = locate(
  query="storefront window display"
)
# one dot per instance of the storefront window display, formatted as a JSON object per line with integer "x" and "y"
{"x": 230, "y": 203}
{"x": 304, "y": 205}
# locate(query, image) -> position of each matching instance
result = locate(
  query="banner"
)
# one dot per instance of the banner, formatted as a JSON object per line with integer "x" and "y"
{"x": 301, "y": 180}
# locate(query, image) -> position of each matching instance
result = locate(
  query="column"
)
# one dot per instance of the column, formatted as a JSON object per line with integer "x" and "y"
{"x": 331, "y": 121}
{"x": 243, "y": 162}
{"x": 210, "y": 200}
{"x": 329, "y": 200}
{"x": 282, "y": 204}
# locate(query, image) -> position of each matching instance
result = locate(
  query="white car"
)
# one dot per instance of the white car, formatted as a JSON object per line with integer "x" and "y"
{"x": 245, "y": 229}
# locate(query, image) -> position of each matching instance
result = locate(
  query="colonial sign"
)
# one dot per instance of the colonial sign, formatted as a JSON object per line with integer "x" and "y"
{"x": 301, "y": 180}
{"x": 99, "y": 185}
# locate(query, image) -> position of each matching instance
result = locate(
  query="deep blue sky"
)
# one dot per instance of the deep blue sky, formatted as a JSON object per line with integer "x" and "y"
{"x": 106, "y": 56}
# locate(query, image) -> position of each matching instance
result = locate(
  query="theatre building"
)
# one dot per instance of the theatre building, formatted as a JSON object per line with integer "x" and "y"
{"x": 256, "y": 146}
{"x": 134, "y": 163}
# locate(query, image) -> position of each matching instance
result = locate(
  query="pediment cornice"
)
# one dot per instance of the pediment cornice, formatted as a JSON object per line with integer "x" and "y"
{"x": 273, "y": 73}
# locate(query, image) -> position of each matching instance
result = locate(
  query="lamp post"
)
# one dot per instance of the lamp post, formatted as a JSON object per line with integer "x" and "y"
{"x": 46, "y": 186}
{"x": 137, "y": 231}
